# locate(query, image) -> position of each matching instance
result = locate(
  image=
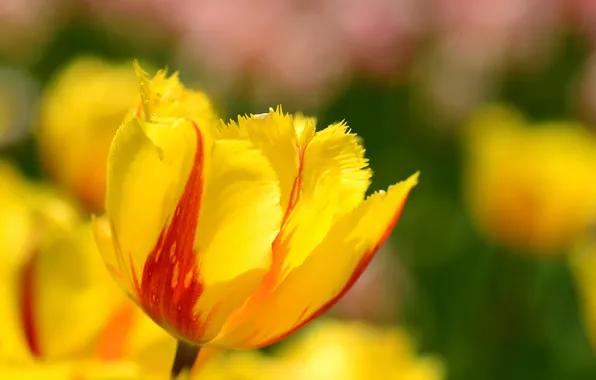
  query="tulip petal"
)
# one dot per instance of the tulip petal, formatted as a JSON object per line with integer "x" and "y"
{"x": 163, "y": 96}
{"x": 313, "y": 287}
{"x": 215, "y": 248}
{"x": 240, "y": 214}
{"x": 238, "y": 221}
{"x": 148, "y": 168}
{"x": 275, "y": 135}
{"x": 73, "y": 295}
{"x": 333, "y": 179}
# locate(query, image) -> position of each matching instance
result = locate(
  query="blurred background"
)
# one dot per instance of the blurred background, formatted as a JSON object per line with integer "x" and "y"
{"x": 491, "y": 271}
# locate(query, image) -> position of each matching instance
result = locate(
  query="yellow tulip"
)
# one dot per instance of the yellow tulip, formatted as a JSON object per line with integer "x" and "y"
{"x": 336, "y": 350}
{"x": 529, "y": 187}
{"x": 236, "y": 235}
{"x": 95, "y": 95}
{"x": 27, "y": 213}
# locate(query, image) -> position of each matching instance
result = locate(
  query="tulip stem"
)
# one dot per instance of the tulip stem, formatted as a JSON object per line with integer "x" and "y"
{"x": 186, "y": 355}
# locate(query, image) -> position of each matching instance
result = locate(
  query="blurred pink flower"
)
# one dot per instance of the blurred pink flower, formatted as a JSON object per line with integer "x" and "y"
{"x": 587, "y": 91}
{"x": 305, "y": 47}
{"x": 475, "y": 40}
{"x": 583, "y": 14}
{"x": 27, "y": 25}
{"x": 155, "y": 13}
{"x": 499, "y": 29}
{"x": 379, "y": 293}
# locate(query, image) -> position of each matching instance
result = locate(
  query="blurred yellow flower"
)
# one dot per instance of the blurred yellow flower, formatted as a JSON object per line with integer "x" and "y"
{"x": 529, "y": 187}
{"x": 336, "y": 350}
{"x": 79, "y": 114}
{"x": 236, "y": 235}
{"x": 27, "y": 212}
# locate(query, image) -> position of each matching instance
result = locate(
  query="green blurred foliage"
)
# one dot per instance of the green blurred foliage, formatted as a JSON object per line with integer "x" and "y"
{"x": 491, "y": 313}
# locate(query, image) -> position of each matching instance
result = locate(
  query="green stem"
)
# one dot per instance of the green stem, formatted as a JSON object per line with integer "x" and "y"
{"x": 186, "y": 355}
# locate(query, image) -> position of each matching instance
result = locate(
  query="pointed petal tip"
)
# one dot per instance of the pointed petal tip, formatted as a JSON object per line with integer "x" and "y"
{"x": 139, "y": 69}
{"x": 413, "y": 179}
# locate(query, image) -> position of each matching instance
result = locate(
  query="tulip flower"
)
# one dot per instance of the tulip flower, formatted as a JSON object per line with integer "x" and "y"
{"x": 529, "y": 187}
{"x": 342, "y": 350}
{"x": 236, "y": 235}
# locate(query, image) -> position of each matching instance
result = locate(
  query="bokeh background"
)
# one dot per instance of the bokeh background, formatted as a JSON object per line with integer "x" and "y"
{"x": 491, "y": 270}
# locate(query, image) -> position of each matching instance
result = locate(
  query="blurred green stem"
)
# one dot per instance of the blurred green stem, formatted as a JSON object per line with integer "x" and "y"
{"x": 186, "y": 355}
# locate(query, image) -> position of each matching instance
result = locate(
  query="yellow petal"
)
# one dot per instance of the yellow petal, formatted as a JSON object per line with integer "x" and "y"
{"x": 313, "y": 287}
{"x": 96, "y": 96}
{"x": 305, "y": 128}
{"x": 191, "y": 289}
{"x": 275, "y": 135}
{"x": 73, "y": 295}
{"x": 163, "y": 96}
{"x": 147, "y": 171}
{"x": 333, "y": 180}
{"x": 240, "y": 214}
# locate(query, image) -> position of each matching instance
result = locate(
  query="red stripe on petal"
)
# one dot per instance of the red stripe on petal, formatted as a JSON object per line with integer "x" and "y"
{"x": 360, "y": 267}
{"x": 27, "y": 308}
{"x": 170, "y": 286}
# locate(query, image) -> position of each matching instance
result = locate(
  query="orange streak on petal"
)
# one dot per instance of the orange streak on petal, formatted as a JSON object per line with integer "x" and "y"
{"x": 167, "y": 300}
{"x": 112, "y": 341}
{"x": 205, "y": 354}
{"x": 278, "y": 248}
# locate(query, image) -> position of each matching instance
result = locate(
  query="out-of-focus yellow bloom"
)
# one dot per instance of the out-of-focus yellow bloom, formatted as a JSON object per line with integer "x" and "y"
{"x": 583, "y": 265}
{"x": 335, "y": 350}
{"x": 68, "y": 294}
{"x": 236, "y": 235}
{"x": 79, "y": 115}
{"x": 26, "y": 213}
{"x": 529, "y": 187}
